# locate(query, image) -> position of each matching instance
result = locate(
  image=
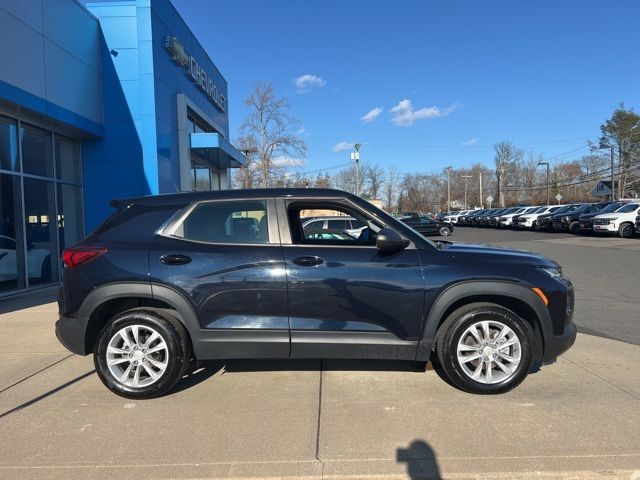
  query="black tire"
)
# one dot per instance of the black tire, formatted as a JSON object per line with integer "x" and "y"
{"x": 45, "y": 270}
{"x": 171, "y": 331}
{"x": 625, "y": 230}
{"x": 454, "y": 327}
{"x": 444, "y": 231}
{"x": 534, "y": 226}
{"x": 574, "y": 228}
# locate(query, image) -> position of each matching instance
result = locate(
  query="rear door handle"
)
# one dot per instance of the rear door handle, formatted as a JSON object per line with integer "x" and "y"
{"x": 308, "y": 261}
{"x": 175, "y": 259}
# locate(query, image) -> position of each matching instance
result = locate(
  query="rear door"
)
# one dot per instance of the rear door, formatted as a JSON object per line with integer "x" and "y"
{"x": 225, "y": 257}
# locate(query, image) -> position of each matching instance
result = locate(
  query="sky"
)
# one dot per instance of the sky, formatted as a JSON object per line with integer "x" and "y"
{"x": 428, "y": 84}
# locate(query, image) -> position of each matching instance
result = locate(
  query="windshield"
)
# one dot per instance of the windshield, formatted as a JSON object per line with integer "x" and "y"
{"x": 628, "y": 208}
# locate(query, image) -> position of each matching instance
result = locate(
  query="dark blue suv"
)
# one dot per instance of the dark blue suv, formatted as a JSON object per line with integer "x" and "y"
{"x": 233, "y": 274}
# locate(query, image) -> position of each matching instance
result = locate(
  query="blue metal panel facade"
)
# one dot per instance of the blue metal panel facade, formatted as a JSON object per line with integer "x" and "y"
{"x": 100, "y": 73}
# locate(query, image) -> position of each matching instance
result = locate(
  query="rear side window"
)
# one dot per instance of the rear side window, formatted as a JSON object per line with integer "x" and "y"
{"x": 337, "y": 224}
{"x": 227, "y": 222}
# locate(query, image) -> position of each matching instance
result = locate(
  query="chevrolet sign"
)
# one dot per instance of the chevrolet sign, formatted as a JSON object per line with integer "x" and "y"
{"x": 195, "y": 72}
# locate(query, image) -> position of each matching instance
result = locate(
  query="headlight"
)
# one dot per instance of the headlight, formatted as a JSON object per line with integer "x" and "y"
{"x": 566, "y": 219}
{"x": 610, "y": 219}
{"x": 553, "y": 272}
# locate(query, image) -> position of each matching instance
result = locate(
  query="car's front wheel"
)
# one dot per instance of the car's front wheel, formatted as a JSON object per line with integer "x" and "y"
{"x": 444, "y": 231}
{"x": 142, "y": 353}
{"x": 485, "y": 348}
{"x": 625, "y": 230}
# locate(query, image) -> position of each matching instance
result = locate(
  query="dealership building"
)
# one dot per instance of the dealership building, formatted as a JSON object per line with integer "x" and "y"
{"x": 101, "y": 100}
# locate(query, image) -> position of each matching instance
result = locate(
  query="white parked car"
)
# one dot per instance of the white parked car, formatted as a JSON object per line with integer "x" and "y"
{"x": 453, "y": 218}
{"x": 529, "y": 220}
{"x": 38, "y": 261}
{"x": 507, "y": 220}
{"x": 620, "y": 222}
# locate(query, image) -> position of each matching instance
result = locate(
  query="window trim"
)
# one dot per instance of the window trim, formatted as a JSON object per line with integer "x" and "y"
{"x": 285, "y": 227}
{"x": 174, "y": 223}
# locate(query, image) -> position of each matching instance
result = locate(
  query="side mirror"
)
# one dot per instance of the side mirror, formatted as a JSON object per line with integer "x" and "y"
{"x": 389, "y": 240}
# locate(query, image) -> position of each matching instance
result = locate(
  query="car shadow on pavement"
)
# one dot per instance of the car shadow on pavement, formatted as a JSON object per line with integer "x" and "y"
{"x": 200, "y": 371}
{"x": 420, "y": 460}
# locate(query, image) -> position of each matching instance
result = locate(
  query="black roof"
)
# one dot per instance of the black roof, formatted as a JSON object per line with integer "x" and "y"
{"x": 183, "y": 198}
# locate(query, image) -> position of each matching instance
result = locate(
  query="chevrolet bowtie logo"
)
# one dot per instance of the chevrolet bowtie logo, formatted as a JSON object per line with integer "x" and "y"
{"x": 178, "y": 53}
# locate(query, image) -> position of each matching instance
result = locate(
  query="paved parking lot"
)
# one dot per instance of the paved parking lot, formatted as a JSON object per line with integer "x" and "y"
{"x": 577, "y": 418}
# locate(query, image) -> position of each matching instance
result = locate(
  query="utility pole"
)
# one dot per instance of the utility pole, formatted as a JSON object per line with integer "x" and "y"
{"x": 448, "y": 169}
{"x": 466, "y": 181}
{"x": 481, "y": 199}
{"x": 547, "y": 164}
{"x": 500, "y": 171}
{"x": 602, "y": 146}
{"x": 355, "y": 156}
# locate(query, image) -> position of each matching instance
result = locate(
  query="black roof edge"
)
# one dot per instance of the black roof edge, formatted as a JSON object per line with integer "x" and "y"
{"x": 183, "y": 198}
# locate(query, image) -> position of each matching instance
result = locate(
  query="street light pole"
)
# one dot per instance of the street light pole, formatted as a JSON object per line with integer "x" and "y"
{"x": 481, "y": 199}
{"x": 448, "y": 169}
{"x": 547, "y": 164}
{"x": 466, "y": 181}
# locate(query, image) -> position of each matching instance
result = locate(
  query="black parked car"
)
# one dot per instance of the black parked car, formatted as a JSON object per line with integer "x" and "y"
{"x": 568, "y": 221}
{"x": 483, "y": 220}
{"x": 467, "y": 220}
{"x": 175, "y": 277}
{"x": 638, "y": 224}
{"x": 585, "y": 221}
{"x": 428, "y": 226}
{"x": 545, "y": 222}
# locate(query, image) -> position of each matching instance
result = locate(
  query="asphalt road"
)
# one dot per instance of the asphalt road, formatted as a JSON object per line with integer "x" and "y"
{"x": 605, "y": 272}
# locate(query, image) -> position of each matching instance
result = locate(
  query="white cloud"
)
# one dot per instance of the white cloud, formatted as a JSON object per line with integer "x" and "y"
{"x": 304, "y": 83}
{"x": 342, "y": 146}
{"x": 471, "y": 141}
{"x": 371, "y": 115}
{"x": 283, "y": 162}
{"x": 404, "y": 115}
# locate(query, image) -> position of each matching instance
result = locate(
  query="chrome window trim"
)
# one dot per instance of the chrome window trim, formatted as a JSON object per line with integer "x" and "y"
{"x": 176, "y": 222}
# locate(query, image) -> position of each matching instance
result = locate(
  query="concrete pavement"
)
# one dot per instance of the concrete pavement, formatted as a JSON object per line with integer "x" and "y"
{"x": 309, "y": 419}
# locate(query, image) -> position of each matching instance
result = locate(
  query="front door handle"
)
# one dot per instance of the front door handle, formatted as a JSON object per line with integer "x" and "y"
{"x": 308, "y": 261}
{"x": 175, "y": 259}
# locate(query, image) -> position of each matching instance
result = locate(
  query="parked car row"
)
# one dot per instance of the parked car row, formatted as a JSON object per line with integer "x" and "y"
{"x": 620, "y": 218}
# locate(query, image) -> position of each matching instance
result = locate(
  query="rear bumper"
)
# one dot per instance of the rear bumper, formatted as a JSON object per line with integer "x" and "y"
{"x": 71, "y": 332}
{"x": 556, "y": 345}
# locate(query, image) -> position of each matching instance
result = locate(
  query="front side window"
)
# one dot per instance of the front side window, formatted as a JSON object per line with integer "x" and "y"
{"x": 338, "y": 231}
{"x": 628, "y": 208}
{"x": 227, "y": 222}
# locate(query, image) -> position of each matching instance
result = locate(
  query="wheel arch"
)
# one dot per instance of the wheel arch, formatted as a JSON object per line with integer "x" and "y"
{"x": 109, "y": 300}
{"x": 514, "y": 296}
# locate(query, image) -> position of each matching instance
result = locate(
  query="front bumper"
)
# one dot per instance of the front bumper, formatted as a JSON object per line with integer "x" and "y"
{"x": 608, "y": 228}
{"x": 71, "y": 333}
{"x": 556, "y": 345}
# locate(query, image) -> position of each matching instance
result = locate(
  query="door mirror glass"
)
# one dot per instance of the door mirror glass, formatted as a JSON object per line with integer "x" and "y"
{"x": 390, "y": 241}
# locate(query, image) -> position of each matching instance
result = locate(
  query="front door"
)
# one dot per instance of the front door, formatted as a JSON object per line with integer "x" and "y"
{"x": 226, "y": 259}
{"x": 346, "y": 299}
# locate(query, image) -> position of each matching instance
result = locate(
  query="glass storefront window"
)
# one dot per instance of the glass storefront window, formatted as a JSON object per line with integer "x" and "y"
{"x": 37, "y": 155}
{"x": 11, "y": 239}
{"x": 69, "y": 216}
{"x": 67, "y": 159}
{"x": 9, "y": 144}
{"x": 203, "y": 180}
{"x": 41, "y": 231}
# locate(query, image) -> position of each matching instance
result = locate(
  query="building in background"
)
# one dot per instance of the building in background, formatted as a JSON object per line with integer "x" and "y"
{"x": 105, "y": 100}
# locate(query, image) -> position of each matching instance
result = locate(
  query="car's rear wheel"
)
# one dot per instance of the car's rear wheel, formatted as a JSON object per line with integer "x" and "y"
{"x": 534, "y": 226}
{"x": 142, "y": 353}
{"x": 625, "y": 230}
{"x": 485, "y": 348}
{"x": 444, "y": 231}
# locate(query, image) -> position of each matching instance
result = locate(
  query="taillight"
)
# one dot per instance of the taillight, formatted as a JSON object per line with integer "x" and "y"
{"x": 72, "y": 257}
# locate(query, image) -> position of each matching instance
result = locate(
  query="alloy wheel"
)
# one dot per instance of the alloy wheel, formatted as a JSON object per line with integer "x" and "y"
{"x": 137, "y": 356}
{"x": 489, "y": 352}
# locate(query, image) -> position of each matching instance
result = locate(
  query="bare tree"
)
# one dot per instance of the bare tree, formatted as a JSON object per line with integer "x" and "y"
{"x": 248, "y": 176}
{"x": 507, "y": 158}
{"x": 391, "y": 187}
{"x": 374, "y": 175}
{"x": 273, "y": 131}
